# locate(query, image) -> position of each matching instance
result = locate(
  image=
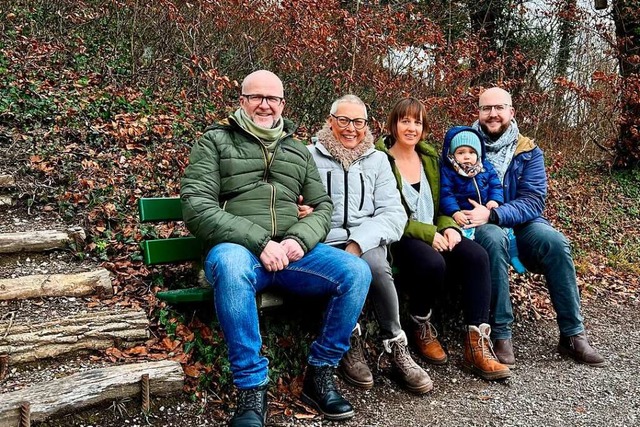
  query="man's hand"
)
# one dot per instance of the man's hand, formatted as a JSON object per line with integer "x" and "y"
{"x": 353, "y": 248}
{"x": 303, "y": 210}
{"x": 460, "y": 218}
{"x": 479, "y": 215}
{"x": 274, "y": 257}
{"x": 453, "y": 237}
{"x": 293, "y": 249}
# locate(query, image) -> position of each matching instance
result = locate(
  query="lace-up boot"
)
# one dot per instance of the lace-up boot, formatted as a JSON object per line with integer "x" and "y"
{"x": 426, "y": 341}
{"x": 479, "y": 357}
{"x": 408, "y": 372}
{"x": 319, "y": 392}
{"x": 353, "y": 366}
{"x": 251, "y": 408}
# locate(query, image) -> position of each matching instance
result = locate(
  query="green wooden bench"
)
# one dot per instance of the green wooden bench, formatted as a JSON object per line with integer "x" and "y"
{"x": 181, "y": 249}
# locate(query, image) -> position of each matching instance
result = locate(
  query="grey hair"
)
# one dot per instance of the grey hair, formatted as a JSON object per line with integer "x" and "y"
{"x": 348, "y": 99}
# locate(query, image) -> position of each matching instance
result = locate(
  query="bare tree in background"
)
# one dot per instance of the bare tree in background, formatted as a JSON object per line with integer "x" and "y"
{"x": 626, "y": 15}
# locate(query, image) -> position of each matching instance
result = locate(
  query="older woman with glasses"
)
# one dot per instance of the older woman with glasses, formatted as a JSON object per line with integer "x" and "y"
{"x": 432, "y": 251}
{"x": 367, "y": 216}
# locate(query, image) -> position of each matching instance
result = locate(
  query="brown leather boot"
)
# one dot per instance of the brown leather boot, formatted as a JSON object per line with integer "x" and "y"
{"x": 426, "y": 341}
{"x": 578, "y": 348}
{"x": 479, "y": 357}
{"x": 503, "y": 349}
{"x": 353, "y": 366}
{"x": 408, "y": 372}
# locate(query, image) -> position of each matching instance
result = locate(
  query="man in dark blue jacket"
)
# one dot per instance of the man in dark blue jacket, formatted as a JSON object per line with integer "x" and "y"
{"x": 519, "y": 163}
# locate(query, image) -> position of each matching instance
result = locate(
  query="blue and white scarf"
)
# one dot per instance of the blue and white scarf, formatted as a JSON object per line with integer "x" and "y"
{"x": 500, "y": 152}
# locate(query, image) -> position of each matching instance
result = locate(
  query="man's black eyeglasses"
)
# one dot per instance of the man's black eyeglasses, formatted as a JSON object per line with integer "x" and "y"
{"x": 273, "y": 101}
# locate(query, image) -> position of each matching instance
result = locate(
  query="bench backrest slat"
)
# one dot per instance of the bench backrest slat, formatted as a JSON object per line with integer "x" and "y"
{"x": 178, "y": 249}
{"x": 159, "y": 209}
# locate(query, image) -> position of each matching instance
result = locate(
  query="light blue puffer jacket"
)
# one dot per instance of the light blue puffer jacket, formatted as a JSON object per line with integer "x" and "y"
{"x": 367, "y": 206}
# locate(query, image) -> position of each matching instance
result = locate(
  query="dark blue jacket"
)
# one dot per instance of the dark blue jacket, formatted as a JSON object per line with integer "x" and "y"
{"x": 455, "y": 189}
{"x": 525, "y": 186}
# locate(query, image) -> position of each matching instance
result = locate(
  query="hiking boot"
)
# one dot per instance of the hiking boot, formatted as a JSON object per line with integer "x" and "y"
{"x": 503, "y": 349}
{"x": 426, "y": 341}
{"x": 578, "y": 348}
{"x": 319, "y": 392}
{"x": 353, "y": 366}
{"x": 409, "y": 373}
{"x": 251, "y": 410}
{"x": 479, "y": 357}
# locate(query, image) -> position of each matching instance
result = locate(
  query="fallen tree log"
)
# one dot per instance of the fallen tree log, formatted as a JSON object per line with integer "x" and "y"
{"x": 56, "y": 285}
{"x": 81, "y": 390}
{"x": 37, "y": 241}
{"x": 95, "y": 330}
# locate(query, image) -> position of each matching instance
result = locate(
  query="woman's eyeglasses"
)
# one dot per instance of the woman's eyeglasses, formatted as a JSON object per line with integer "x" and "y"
{"x": 344, "y": 122}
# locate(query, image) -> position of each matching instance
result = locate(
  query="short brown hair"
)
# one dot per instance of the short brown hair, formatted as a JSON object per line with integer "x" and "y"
{"x": 406, "y": 107}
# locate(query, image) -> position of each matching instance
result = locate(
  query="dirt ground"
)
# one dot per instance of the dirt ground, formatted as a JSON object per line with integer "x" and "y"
{"x": 545, "y": 389}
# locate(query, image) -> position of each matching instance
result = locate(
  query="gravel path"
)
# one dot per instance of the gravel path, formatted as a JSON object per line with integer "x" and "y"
{"x": 545, "y": 390}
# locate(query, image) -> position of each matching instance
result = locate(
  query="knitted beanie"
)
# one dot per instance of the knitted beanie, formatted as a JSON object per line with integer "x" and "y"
{"x": 467, "y": 138}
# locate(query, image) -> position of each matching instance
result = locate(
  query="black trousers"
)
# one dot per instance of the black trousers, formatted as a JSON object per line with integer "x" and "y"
{"x": 427, "y": 274}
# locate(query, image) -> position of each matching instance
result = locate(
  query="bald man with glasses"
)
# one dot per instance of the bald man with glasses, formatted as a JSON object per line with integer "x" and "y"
{"x": 239, "y": 198}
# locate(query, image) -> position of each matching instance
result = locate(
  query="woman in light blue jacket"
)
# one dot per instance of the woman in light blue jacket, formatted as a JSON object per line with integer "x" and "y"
{"x": 367, "y": 216}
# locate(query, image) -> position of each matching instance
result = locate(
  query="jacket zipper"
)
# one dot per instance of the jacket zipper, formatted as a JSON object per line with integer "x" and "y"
{"x": 475, "y": 184}
{"x": 272, "y": 207}
{"x": 346, "y": 200}
{"x": 361, "y": 192}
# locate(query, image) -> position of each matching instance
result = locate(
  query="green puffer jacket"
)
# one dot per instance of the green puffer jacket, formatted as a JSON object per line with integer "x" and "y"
{"x": 231, "y": 194}
{"x": 430, "y": 158}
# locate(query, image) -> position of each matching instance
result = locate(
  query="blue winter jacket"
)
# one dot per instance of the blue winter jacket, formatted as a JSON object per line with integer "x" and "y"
{"x": 525, "y": 186}
{"x": 456, "y": 190}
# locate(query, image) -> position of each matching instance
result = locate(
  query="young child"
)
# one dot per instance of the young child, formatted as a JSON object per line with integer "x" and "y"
{"x": 464, "y": 176}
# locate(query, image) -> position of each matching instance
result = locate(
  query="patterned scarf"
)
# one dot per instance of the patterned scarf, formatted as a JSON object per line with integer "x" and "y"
{"x": 465, "y": 169}
{"x": 500, "y": 152}
{"x": 420, "y": 202}
{"x": 346, "y": 156}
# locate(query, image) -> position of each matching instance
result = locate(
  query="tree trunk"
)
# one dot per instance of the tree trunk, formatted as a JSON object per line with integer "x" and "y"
{"x": 96, "y": 330}
{"x": 84, "y": 389}
{"x": 626, "y": 16}
{"x": 485, "y": 16}
{"x": 568, "y": 25}
{"x": 55, "y": 285}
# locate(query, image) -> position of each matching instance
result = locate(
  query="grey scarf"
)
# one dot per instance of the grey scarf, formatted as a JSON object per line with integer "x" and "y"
{"x": 500, "y": 152}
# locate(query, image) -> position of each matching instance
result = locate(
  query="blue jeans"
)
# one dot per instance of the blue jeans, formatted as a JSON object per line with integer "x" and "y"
{"x": 237, "y": 276}
{"x": 544, "y": 250}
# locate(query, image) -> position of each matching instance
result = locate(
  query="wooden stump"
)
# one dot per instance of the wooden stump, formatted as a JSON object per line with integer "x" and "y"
{"x": 84, "y": 389}
{"x": 54, "y": 285}
{"x": 96, "y": 330}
